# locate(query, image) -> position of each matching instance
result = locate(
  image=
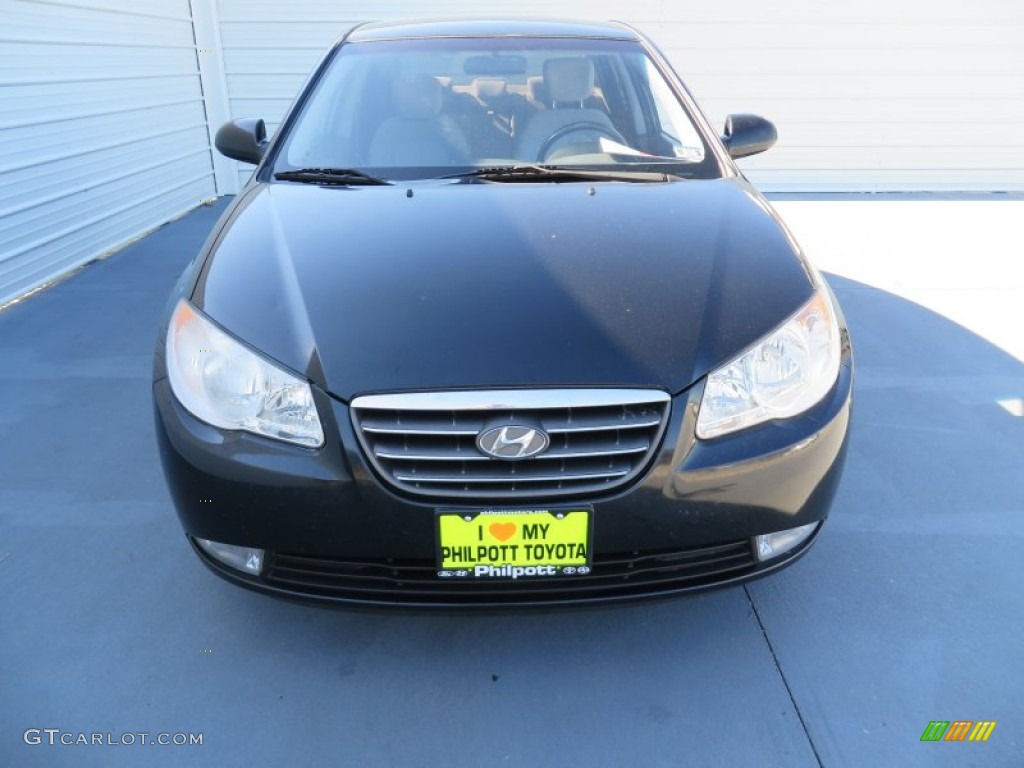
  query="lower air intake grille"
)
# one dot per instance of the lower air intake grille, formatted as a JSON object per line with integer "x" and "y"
{"x": 416, "y": 581}
{"x": 426, "y": 443}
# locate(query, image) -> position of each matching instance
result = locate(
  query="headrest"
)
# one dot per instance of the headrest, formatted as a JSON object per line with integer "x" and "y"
{"x": 569, "y": 79}
{"x": 417, "y": 97}
{"x": 486, "y": 88}
{"x": 536, "y": 87}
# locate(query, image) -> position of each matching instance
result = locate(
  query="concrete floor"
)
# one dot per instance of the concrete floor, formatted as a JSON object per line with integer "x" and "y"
{"x": 909, "y": 609}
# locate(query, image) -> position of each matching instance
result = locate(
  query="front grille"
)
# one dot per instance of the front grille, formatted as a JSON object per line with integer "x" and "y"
{"x": 416, "y": 581}
{"x": 425, "y": 443}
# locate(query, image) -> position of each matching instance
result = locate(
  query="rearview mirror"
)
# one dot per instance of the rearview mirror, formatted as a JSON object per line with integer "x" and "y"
{"x": 747, "y": 135}
{"x": 244, "y": 139}
{"x": 497, "y": 64}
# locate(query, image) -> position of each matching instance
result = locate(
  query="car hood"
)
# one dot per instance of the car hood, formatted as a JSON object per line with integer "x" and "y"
{"x": 459, "y": 285}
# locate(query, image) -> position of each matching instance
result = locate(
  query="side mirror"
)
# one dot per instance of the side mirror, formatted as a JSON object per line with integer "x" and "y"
{"x": 747, "y": 135}
{"x": 244, "y": 139}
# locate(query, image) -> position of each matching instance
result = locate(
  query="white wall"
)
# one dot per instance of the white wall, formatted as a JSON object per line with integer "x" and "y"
{"x": 102, "y": 130}
{"x": 868, "y": 95}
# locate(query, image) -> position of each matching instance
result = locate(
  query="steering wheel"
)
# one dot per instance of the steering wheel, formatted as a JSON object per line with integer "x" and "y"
{"x": 577, "y": 127}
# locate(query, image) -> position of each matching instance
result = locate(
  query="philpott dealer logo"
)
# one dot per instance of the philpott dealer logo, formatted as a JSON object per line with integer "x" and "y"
{"x": 958, "y": 730}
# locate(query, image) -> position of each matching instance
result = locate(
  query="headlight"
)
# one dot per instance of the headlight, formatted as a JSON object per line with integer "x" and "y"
{"x": 225, "y": 384}
{"x": 781, "y": 376}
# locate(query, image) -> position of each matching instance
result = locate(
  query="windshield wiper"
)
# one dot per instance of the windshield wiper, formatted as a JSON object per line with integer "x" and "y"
{"x": 558, "y": 173}
{"x": 345, "y": 176}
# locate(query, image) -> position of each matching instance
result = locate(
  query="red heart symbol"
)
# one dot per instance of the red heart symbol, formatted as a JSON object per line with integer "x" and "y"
{"x": 502, "y": 531}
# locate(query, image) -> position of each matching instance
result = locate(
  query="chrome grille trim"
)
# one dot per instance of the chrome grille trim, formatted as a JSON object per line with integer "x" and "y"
{"x": 510, "y": 478}
{"x": 397, "y": 431}
{"x": 424, "y": 443}
{"x": 505, "y": 399}
{"x": 631, "y": 425}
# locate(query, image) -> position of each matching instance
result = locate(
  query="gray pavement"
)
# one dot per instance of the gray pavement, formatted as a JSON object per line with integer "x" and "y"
{"x": 909, "y": 609}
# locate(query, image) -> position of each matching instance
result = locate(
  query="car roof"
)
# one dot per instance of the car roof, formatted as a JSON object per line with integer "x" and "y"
{"x": 477, "y": 26}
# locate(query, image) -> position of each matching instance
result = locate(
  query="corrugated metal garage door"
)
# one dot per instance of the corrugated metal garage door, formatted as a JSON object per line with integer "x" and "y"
{"x": 873, "y": 95}
{"x": 102, "y": 130}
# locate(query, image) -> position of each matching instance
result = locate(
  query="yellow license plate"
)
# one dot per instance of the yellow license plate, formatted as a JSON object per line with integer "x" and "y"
{"x": 513, "y": 544}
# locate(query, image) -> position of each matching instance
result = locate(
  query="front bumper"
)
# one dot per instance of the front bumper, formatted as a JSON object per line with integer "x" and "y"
{"x": 334, "y": 533}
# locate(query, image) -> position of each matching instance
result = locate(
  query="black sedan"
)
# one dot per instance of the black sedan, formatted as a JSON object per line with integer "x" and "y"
{"x": 498, "y": 321}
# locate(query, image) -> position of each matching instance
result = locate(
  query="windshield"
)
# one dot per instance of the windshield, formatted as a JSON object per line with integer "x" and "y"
{"x": 422, "y": 108}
